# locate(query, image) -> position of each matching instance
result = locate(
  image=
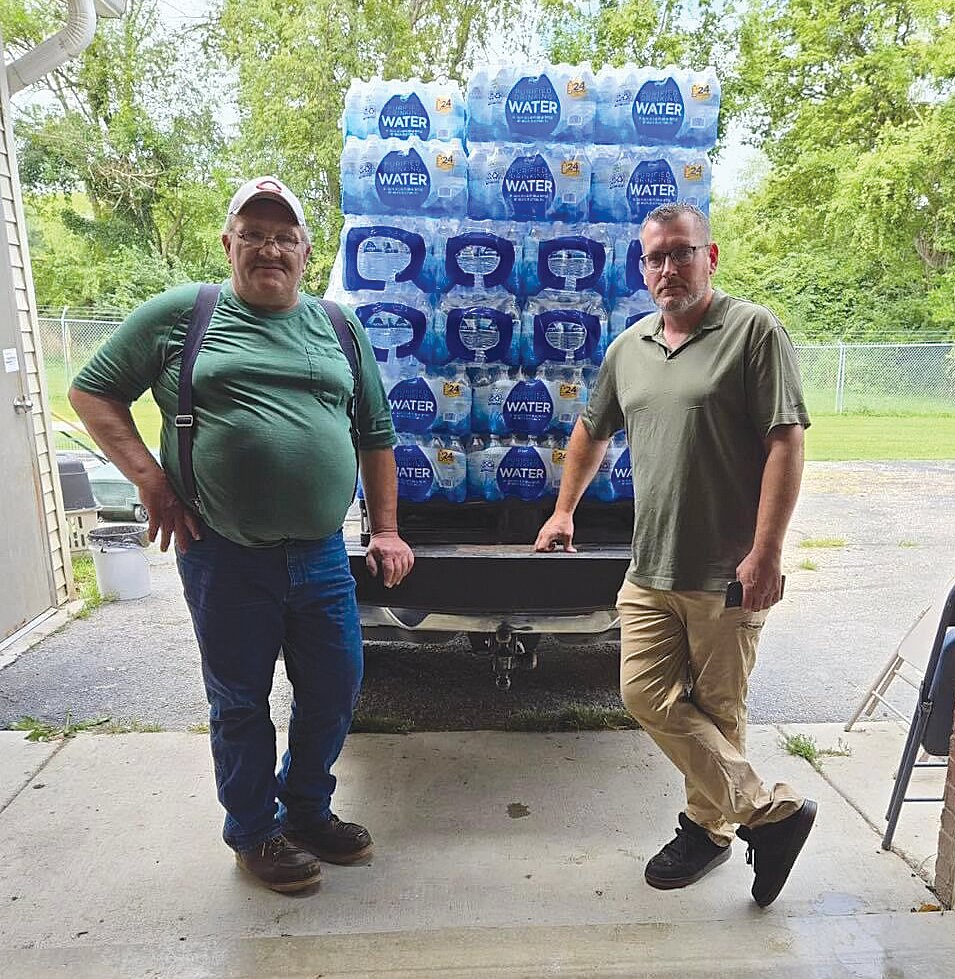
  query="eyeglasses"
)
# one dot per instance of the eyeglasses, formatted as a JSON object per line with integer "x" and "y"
{"x": 255, "y": 239}
{"x": 682, "y": 256}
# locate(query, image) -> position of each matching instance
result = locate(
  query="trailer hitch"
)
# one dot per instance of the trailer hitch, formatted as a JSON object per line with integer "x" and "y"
{"x": 509, "y": 651}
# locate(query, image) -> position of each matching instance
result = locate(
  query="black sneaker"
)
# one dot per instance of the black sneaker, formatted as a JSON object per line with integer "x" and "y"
{"x": 280, "y": 865}
{"x": 690, "y": 855}
{"x": 773, "y": 849}
{"x": 333, "y": 840}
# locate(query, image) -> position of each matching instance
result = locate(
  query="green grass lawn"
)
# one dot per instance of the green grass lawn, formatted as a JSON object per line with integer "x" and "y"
{"x": 834, "y": 438}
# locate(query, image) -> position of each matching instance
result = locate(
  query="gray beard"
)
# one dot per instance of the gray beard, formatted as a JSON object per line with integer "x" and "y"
{"x": 674, "y": 305}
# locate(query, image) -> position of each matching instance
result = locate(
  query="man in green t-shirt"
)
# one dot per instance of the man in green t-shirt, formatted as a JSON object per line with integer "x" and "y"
{"x": 708, "y": 391}
{"x": 262, "y": 557}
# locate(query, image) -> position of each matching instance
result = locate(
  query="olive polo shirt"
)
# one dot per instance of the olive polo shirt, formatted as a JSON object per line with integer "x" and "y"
{"x": 695, "y": 419}
{"x": 272, "y": 448}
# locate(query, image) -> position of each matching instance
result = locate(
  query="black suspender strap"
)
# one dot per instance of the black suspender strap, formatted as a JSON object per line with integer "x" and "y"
{"x": 185, "y": 419}
{"x": 346, "y": 341}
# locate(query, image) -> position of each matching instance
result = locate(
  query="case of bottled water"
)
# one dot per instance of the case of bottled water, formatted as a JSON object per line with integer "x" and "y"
{"x": 668, "y": 106}
{"x": 430, "y": 468}
{"x": 574, "y": 258}
{"x": 478, "y": 254}
{"x": 400, "y": 326}
{"x": 404, "y": 176}
{"x": 427, "y": 110}
{"x": 520, "y": 182}
{"x": 545, "y": 401}
{"x": 376, "y": 255}
{"x": 509, "y": 467}
{"x": 437, "y": 401}
{"x": 630, "y": 181}
{"x": 532, "y": 103}
{"x": 565, "y": 328}
{"x": 477, "y": 327}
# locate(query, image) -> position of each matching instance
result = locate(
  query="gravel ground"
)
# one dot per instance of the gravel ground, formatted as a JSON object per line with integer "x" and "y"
{"x": 822, "y": 647}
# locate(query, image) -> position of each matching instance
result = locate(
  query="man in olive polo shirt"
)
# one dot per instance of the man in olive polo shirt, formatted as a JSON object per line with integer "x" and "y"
{"x": 262, "y": 561}
{"x": 708, "y": 391}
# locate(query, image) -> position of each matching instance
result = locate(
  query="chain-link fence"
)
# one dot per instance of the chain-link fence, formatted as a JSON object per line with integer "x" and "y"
{"x": 879, "y": 378}
{"x": 840, "y": 378}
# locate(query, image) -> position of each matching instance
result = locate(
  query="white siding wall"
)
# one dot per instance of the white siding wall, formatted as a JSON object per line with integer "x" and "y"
{"x": 19, "y": 259}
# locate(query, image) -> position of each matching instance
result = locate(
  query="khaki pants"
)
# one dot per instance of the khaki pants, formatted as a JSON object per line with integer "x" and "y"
{"x": 685, "y": 662}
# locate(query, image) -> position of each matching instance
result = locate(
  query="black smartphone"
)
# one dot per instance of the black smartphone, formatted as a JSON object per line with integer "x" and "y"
{"x": 734, "y": 592}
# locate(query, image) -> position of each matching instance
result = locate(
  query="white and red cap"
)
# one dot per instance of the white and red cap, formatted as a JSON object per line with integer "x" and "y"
{"x": 269, "y": 189}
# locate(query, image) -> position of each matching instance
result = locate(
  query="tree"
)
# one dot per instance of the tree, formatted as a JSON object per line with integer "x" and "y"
{"x": 120, "y": 153}
{"x": 296, "y": 59}
{"x": 851, "y": 100}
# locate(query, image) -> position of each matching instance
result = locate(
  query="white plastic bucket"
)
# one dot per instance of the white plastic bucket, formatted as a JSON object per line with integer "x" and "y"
{"x": 122, "y": 570}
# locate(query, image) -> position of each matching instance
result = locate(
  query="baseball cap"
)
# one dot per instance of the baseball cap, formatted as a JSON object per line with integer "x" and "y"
{"x": 270, "y": 189}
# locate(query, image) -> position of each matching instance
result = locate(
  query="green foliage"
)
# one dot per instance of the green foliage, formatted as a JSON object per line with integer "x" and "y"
{"x": 294, "y": 62}
{"x": 122, "y": 160}
{"x": 38, "y": 730}
{"x": 576, "y": 717}
{"x": 850, "y": 235}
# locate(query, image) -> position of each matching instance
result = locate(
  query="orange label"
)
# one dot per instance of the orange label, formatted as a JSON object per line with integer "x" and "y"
{"x": 445, "y": 457}
{"x": 452, "y": 389}
{"x": 442, "y": 104}
{"x": 702, "y": 93}
{"x": 445, "y": 161}
{"x": 577, "y": 88}
{"x": 569, "y": 390}
{"x": 557, "y": 456}
{"x": 693, "y": 171}
{"x": 570, "y": 168}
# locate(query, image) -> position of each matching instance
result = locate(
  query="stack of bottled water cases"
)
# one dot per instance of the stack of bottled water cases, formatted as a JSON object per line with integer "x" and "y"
{"x": 491, "y": 250}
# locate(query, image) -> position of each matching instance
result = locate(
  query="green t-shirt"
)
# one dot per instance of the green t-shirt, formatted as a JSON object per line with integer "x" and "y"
{"x": 272, "y": 448}
{"x": 695, "y": 420}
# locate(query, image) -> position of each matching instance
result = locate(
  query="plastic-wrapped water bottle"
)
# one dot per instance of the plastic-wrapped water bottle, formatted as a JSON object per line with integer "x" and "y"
{"x": 376, "y": 255}
{"x": 568, "y": 257}
{"x": 399, "y": 326}
{"x": 449, "y": 461}
{"x": 658, "y": 106}
{"x": 427, "y": 110}
{"x": 540, "y": 182}
{"x": 415, "y": 468}
{"x": 630, "y": 310}
{"x": 478, "y": 254}
{"x": 528, "y": 408}
{"x": 556, "y": 455}
{"x": 567, "y": 328}
{"x": 626, "y": 274}
{"x": 569, "y": 393}
{"x": 394, "y": 176}
{"x": 630, "y": 181}
{"x": 530, "y": 103}
{"x": 475, "y": 465}
{"x": 453, "y": 394}
{"x": 522, "y": 472}
{"x": 477, "y": 327}
{"x": 490, "y": 387}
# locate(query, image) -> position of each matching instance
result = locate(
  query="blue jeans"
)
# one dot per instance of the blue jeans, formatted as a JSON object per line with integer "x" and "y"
{"x": 246, "y": 604}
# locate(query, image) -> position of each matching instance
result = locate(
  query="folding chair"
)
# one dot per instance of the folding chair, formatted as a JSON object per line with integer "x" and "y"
{"x": 907, "y": 663}
{"x": 931, "y": 728}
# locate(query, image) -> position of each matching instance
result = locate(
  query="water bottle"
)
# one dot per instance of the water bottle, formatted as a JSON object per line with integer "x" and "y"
{"x": 415, "y": 469}
{"x": 377, "y": 255}
{"x": 528, "y": 408}
{"x": 449, "y": 461}
{"x": 453, "y": 394}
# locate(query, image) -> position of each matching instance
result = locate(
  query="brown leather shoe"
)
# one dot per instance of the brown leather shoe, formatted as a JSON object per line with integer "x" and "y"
{"x": 281, "y": 865}
{"x": 333, "y": 840}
